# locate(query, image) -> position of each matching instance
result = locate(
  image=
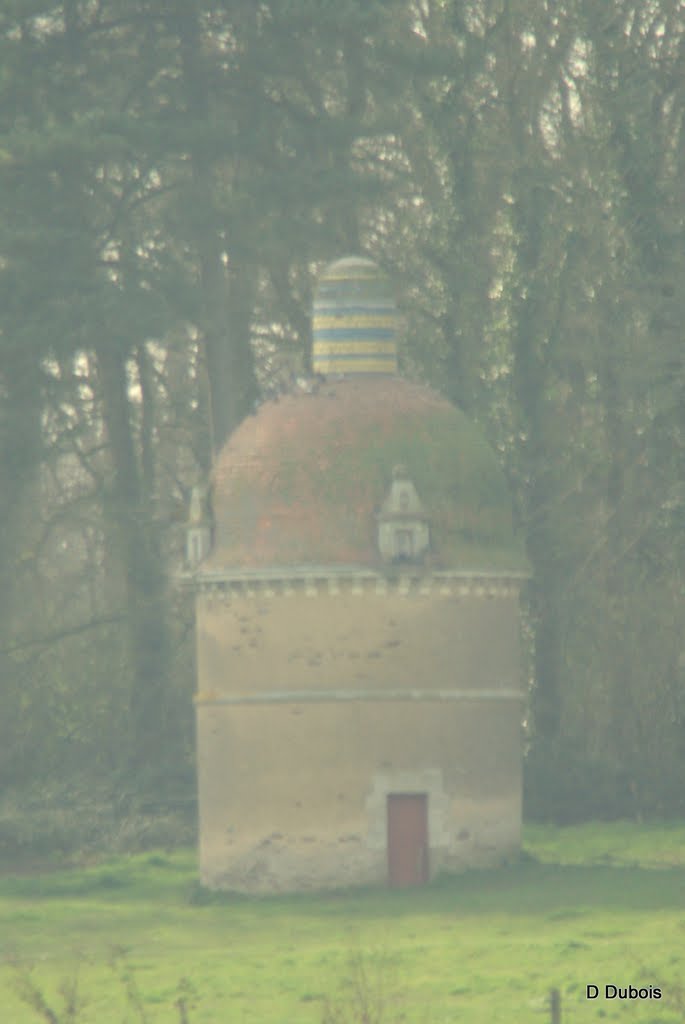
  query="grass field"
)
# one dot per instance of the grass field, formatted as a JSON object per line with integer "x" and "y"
{"x": 133, "y": 936}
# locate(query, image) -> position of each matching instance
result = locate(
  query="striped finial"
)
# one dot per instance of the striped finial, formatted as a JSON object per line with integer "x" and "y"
{"x": 355, "y": 320}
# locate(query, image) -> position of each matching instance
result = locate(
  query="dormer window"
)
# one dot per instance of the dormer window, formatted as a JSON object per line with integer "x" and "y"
{"x": 199, "y": 528}
{"x": 197, "y": 545}
{"x": 404, "y": 544}
{"x": 403, "y": 531}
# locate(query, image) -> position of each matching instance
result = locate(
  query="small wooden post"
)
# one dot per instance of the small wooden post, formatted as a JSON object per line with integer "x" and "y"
{"x": 555, "y": 1006}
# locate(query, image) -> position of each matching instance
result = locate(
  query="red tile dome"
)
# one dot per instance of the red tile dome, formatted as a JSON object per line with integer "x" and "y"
{"x": 301, "y": 482}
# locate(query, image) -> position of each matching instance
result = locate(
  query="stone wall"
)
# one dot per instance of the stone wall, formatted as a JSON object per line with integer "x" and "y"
{"x": 318, "y": 699}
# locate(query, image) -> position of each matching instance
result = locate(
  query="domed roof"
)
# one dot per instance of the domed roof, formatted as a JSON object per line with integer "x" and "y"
{"x": 354, "y": 322}
{"x": 303, "y": 481}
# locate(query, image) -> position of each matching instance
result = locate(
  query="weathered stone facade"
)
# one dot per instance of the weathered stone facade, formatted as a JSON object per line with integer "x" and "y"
{"x": 319, "y": 697}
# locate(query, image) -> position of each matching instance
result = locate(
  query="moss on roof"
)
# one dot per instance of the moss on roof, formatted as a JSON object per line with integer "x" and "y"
{"x": 301, "y": 482}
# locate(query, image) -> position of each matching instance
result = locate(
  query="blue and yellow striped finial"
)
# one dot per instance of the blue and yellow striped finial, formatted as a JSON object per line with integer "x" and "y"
{"x": 355, "y": 320}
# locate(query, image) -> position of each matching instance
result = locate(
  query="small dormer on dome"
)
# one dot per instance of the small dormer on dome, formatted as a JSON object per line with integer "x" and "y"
{"x": 199, "y": 526}
{"x": 403, "y": 529}
{"x": 354, "y": 323}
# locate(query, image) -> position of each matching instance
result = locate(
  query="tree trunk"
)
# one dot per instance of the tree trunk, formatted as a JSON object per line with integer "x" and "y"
{"x": 134, "y": 534}
{"x": 225, "y": 292}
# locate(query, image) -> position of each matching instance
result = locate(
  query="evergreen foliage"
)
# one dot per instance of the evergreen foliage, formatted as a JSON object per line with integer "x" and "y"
{"x": 171, "y": 177}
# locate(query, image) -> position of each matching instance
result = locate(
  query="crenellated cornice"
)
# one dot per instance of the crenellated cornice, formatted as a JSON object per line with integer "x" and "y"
{"x": 333, "y": 581}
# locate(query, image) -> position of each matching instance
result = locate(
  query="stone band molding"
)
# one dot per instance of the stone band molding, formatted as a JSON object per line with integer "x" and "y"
{"x": 337, "y": 580}
{"x": 336, "y": 696}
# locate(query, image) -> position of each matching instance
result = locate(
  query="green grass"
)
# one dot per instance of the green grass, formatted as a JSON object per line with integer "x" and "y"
{"x": 603, "y": 904}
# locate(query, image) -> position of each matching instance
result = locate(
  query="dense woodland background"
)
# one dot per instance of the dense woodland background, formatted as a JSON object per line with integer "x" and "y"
{"x": 173, "y": 174}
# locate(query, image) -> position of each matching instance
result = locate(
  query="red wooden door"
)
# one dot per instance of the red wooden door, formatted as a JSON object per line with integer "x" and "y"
{"x": 407, "y": 839}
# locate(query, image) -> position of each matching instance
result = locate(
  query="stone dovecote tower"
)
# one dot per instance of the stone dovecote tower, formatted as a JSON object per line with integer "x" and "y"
{"x": 359, "y": 693}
